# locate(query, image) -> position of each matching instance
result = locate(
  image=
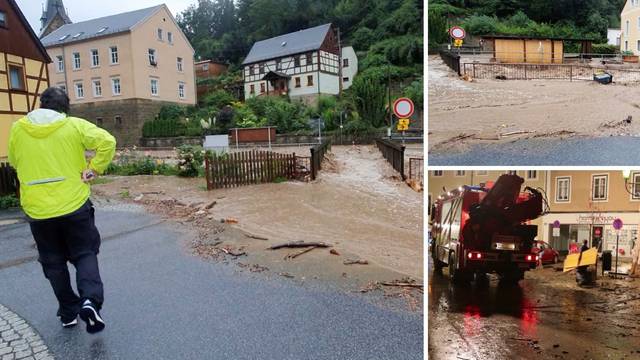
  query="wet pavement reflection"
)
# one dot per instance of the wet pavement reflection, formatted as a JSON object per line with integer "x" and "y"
{"x": 533, "y": 320}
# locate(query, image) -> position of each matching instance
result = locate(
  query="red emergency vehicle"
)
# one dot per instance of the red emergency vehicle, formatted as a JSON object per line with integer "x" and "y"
{"x": 480, "y": 230}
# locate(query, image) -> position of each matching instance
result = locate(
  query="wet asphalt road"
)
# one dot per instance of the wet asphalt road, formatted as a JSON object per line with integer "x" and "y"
{"x": 531, "y": 321}
{"x": 599, "y": 151}
{"x": 162, "y": 303}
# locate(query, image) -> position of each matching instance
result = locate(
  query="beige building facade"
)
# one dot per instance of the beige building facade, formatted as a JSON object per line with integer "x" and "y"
{"x": 120, "y": 79}
{"x": 583, "y": 203}
{"x": 630, "y": 22}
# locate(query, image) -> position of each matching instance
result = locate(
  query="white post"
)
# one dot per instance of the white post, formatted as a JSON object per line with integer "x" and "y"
{"x": 269, "y": 131}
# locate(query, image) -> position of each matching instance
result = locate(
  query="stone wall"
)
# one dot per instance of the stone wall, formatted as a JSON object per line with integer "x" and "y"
{"x": 122, "y": 118}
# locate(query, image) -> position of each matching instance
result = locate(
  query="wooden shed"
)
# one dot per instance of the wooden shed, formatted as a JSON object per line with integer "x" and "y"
{"x": 528, "y": 49}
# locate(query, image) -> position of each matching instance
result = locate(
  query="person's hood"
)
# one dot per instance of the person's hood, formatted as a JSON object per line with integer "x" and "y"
{"x": 42, "y": 122}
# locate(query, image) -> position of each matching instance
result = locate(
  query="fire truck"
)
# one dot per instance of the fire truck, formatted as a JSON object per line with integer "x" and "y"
{"x": 478, "y": 230}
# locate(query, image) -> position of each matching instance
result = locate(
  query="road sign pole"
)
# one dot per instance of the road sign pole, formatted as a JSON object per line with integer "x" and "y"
{"x": 617, "y": 241}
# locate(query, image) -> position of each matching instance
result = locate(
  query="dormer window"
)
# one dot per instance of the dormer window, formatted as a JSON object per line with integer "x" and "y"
{"x": 102, "y": 30}
{"x": 78, "y": 35}
{"x": 64, "y": 38}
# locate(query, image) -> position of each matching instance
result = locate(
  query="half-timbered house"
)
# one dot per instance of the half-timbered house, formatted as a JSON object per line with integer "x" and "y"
{"x": 23, "y": 69}
{"x": 302, "y": 65}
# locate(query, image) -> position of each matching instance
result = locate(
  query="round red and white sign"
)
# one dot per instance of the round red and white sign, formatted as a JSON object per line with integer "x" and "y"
{"x": 457, "y": 32}
{"x": 403, "y": 108}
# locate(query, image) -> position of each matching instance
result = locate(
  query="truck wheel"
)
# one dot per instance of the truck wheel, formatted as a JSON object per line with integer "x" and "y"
{"x": 457, "y": 276}
{"x": 437, "y": 264}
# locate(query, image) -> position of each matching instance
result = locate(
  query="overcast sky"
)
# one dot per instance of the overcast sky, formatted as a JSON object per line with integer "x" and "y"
{"x": 80, "y": 10}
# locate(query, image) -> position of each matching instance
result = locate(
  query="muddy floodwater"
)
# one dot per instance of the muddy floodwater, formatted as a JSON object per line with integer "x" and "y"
{"x": 546, "y": 317}
{"x": 358, "y": 204}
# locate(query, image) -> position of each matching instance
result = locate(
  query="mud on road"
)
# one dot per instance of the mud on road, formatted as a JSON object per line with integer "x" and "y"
{"x": 358, "y": 205}
{"x": 546, "y": 317}
{"x": 462, "y": 113}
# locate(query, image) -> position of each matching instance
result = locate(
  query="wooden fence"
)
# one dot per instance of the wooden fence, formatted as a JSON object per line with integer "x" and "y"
{"x": 247, "y": 168}
{"x": 394, "y": 153}
{"x": 8, "y": 180}
{"x": 317, "y": 155}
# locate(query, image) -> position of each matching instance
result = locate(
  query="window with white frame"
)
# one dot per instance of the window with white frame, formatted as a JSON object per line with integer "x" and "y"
{"x": 154, "y": 87}
{"x": 152, "y": 57}
{"x": 79, "y": 90}
{"x": 76, "y": 61}
{"x": 532, "y": 174}
{"x": 160, "y": 34}
{"x": 179, "y": 64}
{"x": 461, "y": 172}
{"x": 626, "y": 29}
{"x": 599, "y": 187}
{"x": 563, "y": 189}
{"x": 205, "y": 67}
{"x": 170, "y": 37}
{"x": 97, "y": 88}
{"x": 438, "y": 172}
{"x": 95, "y": 58}
{"x": 181, "y": 90}
{"x": 115, "y": 86}
{"x": 113, "y": 52}
{"x": 60, "y": 63}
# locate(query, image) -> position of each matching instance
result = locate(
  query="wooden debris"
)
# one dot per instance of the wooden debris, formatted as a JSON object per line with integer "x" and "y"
{"x": 402, "y": 284}
{"x": 209, "y": 205}
{"x": 232, "y": 252}
{"x": 355, "y": 262}
{"x": 287, "y": 275}
{"x": 518, "y": 132}
{"x": 298, "y": 244}
{"x": 334, "y": 252}
{"x": 229, "y": 221}
{"x": 293, "y": 256}
{"x": 251, "y": 236}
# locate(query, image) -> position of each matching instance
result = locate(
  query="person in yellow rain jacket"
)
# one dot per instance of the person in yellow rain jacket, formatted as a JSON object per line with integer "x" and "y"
{"x": 47, "y": 149}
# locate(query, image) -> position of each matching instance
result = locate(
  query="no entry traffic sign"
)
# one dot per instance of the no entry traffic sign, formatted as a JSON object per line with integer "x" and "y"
{"x": 403, "y": 108}
{"x": 457, "y": 33}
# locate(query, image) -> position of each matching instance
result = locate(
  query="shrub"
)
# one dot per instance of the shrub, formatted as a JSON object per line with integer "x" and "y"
{"x": 369, "y": 97}
{"x": 415, "y": 92}
{"x": 190, "y": 160}
{"x": 481, "y": 25}
{"x": 604, "y": 49}
{"x": 144, "y": 166}
{"x": 218, "y": 99}
{"x": 9, "y": 201}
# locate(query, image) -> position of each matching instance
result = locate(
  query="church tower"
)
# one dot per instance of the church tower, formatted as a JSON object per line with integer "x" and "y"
{"x": 54, "y": 16}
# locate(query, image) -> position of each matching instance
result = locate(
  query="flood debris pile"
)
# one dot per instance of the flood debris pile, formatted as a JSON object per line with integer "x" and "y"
{"x": 406, "y": 288}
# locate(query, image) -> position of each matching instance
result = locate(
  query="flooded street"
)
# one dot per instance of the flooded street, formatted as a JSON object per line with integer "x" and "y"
{"x": 546, "y": 317}
{"x": 358, "y": 205}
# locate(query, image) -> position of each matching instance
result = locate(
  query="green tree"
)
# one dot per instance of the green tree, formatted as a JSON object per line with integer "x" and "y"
{"x": 369, "y": 96}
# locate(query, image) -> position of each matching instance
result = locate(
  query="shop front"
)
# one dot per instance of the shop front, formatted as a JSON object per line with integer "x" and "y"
{"x": 596, "y": 228}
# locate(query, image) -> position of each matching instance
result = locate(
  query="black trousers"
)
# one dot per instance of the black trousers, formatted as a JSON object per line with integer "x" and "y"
{"x": 72, "y": 238}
